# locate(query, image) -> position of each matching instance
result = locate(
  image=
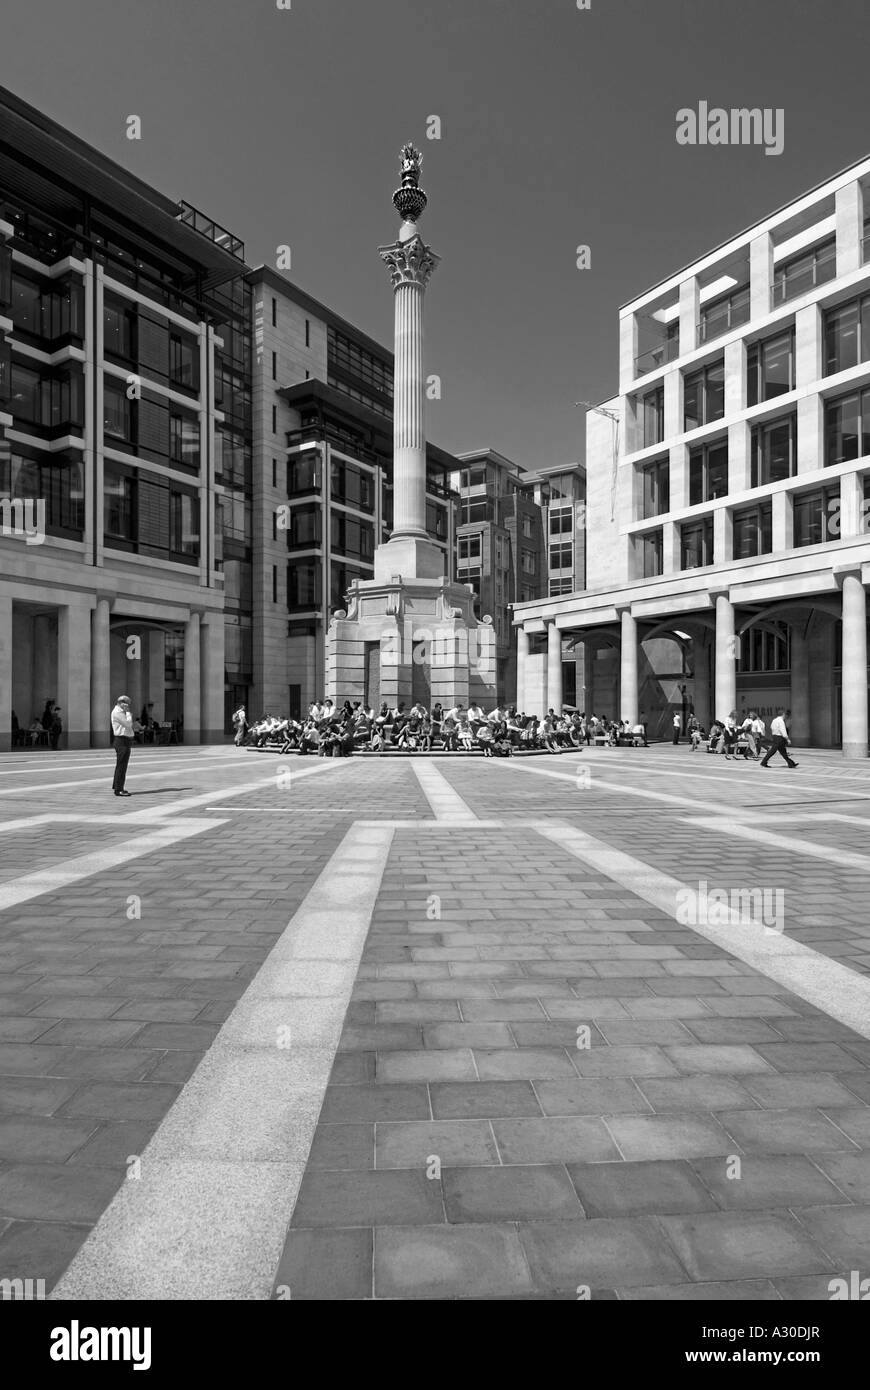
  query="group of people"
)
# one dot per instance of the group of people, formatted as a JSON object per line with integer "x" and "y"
{"x": 733, "y": 737}
{"x": 330, "y": 729}
{"x": 44, "y": 729}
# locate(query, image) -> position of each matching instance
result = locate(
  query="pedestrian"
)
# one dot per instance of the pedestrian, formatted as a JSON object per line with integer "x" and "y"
{"x": 240, "y": 724}
{"x": 678, "y": 724}
{"x": 56, "y": 727}
{"x": 779, "y": 740}
{"x": 122, "y": 740}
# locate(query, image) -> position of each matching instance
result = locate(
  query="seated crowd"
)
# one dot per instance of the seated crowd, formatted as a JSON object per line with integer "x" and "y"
{"x": 338, "y": 731}
{"x": 732, "y": 737}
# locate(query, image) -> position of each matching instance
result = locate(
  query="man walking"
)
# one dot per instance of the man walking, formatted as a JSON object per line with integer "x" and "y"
{"x": 122, "y": 741}
{"x": 678, "y": 725}
{"x": 779, "y": 740}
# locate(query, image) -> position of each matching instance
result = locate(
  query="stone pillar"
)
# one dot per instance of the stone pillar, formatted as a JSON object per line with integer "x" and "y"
{"x": 74, "y": 674}
{"x": 212, "y": 673}
{"x": 554, "y": 668}
{"x": 854, "y": 667}
{"x": 157, "y": 673}
{"x": 849, "y": 205}
{"x": 522, "y": 662}
{"x": 690, "y": 314}
{"x": 102, "y": 695}
{"x": 726, "y": 653}
{"x": 6, "y": 677}
{"x": 760, "y": 275}
{"x": 191, "y": 705}
{"x": 409, "y": 440}
{"x": 628, "y": 668}
{"x": 701, "y": 680}
{"x": 800, "y": 686}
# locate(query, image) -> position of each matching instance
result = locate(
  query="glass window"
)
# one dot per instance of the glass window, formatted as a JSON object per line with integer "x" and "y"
{"x": 753, "y": 531}
{"x": 184, "y": 439}
{"x": 56, "y": 481}
{"x": 303, "y": 584}
{"x": 656, "y": 488}
{"x": 804, "y": 272}
{"x": 652, "y": 552}
{"x": 303, "y": 473}
{"x": 119, "y": 329}
{"x": 184, "y": 524}
{"x": 351, "y": 536}
{"x": 351, "y": 485}
{"x": 653, "y": 407}
{"x": 708, "y": 473}
{"x": 184, "y": 361}
{"x": 119, "y": 504}
{"x": 704, "y": 396}
{"x": 696, "y": 544}
{"x": 117, "y": 411}
{"x": 847, "y": 428}
{"x": 774, "y": 451}
{"x": 723, "y": 314}
{"x": 436, "y": 520}
{"x": 527, "y": 527}
{"x": 817, "y": 516}
{"x": 468, "y": 549}
{"x": 770, "y": 368}
{"x": 846, "y": 340}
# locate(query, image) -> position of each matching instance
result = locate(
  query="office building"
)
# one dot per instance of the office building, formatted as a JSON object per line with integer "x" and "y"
{"x": 727, "y": 548}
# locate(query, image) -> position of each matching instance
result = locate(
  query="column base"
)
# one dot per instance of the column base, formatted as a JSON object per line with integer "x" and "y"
{"x": 412, "y": 557}
{"x": 854, "y": 751}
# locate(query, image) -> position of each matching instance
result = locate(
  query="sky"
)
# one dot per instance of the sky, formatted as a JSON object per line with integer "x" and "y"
{"x": 557, "y": 130}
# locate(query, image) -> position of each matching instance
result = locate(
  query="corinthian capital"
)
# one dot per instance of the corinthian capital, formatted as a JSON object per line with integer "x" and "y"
{"x": 409, "y": 262}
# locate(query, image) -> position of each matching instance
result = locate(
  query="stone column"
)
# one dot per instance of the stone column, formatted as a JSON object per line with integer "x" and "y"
{"x": 628, "y": 668}
{"x": 522, "y": 662}
{"x": 701, "y": 682}
{"x": 726, "y": 653}
{"x": 554, "y": 668}
{"x": 191, "y": 706}
{"x": 157, "y": 673}
{"x": 212, "y": 671}
{"x": 6, "y": 677}
{"x": 411, "y": 262}
{"x": 102, "y": 695}
{"x": 800, "y": 686}
{"x": 854, "y": 667}
{"x": 74, "y": 674}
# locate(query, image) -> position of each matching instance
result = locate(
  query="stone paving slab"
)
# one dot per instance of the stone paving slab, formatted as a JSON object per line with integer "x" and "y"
{"x": 543, "y": 1083}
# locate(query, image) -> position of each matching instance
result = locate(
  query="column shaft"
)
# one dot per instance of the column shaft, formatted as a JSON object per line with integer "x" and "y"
{"x": 800, "y": 686}
{"x": 854, "y": 668}
{"x": 726, "y": 653}
{"x": 212, "y": 670}
{"x": 409, "y": 440}
{"x": 628, "y": 669}
{"x": 522, "y": 662}
{"x": 554, "y": 668}
{"x": 102, "y": 696}
{"x": 191, "y": 680}
{"x": 22, "y": 715}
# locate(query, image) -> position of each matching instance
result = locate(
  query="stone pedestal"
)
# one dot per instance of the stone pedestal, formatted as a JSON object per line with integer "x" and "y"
{"x": 408, "y": 640}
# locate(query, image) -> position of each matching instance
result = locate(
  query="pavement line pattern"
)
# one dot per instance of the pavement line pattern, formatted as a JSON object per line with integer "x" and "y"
{"x": 846, "y": 859}
{"x": 447, "y": 804}
{"x": 208, "y": 1216}
{"x": 105, "y": 777}
{"x": 69, "y": 871}
{"x": 599, "y": 784}
{"x": 283, "y": 777}
{"x": 821, "y": 981}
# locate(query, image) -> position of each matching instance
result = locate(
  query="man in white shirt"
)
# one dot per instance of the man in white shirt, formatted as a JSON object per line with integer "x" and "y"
{"x": 122, "y": 741}
{"x": 779, "y": 740}
{"x": 678, "y": 727}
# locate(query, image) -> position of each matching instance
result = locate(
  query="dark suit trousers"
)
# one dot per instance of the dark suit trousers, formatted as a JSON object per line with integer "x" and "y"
{"x": 122, "y": 757}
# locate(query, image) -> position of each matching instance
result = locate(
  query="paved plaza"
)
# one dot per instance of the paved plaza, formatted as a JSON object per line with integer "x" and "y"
{"x": 434, "y": 1028}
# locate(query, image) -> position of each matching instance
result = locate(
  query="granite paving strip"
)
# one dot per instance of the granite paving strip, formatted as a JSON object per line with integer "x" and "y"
{"x": 230, "y": 1153}
{"x": 637, "y": 1076}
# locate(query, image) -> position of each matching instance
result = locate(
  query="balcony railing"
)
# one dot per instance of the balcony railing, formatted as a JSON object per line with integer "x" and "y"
{"x": 655, "y": 357}
{"x": 724, "y": 315}
{"x": 207, "y": 227}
